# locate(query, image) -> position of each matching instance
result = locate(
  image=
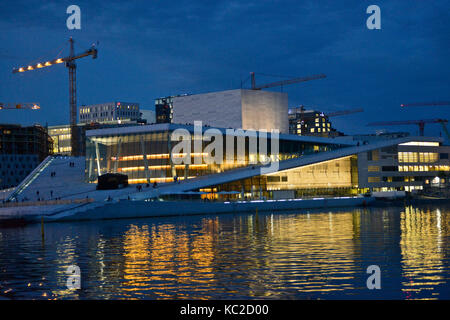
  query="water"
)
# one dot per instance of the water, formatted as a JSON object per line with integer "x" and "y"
{"x": 315, "y": 255}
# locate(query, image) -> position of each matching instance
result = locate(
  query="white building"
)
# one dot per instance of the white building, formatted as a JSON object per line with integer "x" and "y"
{"x": 109, "y": 112}
{"x": 241, "y": 108}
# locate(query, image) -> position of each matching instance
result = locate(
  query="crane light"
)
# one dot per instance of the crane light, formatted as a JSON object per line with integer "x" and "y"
{"x": 48, "y": 63}
{"x": 59, "y": 61}
{"x": 21, "y": 70}
{"x": 30, "y": 68}
{"x": 39, "y": 65}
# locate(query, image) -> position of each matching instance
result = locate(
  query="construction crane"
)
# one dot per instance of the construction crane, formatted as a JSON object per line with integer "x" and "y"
{"x": 15, "y": 106}
{"x": 426, "y": 104}
{"x": 330, "y": 114}
{"x": 343, "y": 112}
{"x": 71, "y": 65}
{"x": 420, "y": 123}
{"x": 283, "y": 82}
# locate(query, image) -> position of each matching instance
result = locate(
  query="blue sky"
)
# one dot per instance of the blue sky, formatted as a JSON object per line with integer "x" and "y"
{"x": 157, "y": 48}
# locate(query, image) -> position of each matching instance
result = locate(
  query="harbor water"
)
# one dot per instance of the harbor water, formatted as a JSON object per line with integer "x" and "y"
{"x": 310, "y": 254}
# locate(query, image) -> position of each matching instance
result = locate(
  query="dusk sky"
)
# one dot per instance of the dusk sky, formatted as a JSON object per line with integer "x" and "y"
{"x": 154, "y": 48}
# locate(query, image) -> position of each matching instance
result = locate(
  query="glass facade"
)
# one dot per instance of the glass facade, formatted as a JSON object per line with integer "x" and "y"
{"x": 146, "y": 156}
{"x": 334, "y": 177}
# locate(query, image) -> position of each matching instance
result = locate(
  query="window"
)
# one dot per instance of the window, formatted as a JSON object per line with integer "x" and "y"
{"x": 422, "y": 143}
{"x": 373, "y": 168}
{"x": 373, "y": 155}
{"x": 373, "y": 179}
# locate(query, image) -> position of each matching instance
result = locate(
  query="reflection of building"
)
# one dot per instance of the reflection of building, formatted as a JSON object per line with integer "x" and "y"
{"x": 246, "y": 109}
{"x": 310, "y": 123}
{"x": 109, "y": 112}
{"x": 423, "y": 244}
{"x": 21, "y": 150}
{"x": 307, "y": 165}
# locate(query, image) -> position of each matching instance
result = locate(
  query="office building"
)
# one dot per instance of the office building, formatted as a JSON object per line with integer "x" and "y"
{"x": 61, "y": 135}
{"x": 110, "y": 112}
{"x": 61, "y": 138}
{"x": 164, "y": 109}
{"x": 304, "y": 122}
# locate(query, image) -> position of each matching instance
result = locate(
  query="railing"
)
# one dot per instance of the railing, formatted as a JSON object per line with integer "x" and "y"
{"x": 45, "y": 203}
{"x": 30, "y": 178}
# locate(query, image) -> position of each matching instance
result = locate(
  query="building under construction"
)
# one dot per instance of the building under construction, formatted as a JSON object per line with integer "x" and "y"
{"x": 21, "y": 150}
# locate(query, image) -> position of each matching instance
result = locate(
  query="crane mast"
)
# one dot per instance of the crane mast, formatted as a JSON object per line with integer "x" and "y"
{"x": 71, "y": 65}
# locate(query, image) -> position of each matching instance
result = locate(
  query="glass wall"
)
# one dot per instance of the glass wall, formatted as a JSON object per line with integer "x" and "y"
{"x": 334, "y": 177}
{"x": 146, "y": 157}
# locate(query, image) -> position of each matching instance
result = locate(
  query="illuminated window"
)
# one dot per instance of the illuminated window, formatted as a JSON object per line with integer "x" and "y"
{"x": 419, "y": 143}
{"x": 373, "y": 179}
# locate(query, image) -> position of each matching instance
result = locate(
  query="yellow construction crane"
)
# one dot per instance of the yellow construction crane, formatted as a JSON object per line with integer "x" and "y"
{"x": 27, "y": 105}
{"x": 70, "y": 64}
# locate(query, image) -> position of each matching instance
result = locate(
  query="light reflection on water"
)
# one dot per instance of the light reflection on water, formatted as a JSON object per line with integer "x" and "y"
{"x": 316, "y": 255}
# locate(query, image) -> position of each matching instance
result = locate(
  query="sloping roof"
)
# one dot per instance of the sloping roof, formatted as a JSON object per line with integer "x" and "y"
{"x": 171, "y": 126}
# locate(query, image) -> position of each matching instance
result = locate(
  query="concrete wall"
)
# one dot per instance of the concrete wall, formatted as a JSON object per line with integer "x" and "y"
{"x": 246, "y": 109}
{"x": 265, "y": 110}
{"x": 217, "y": 109}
